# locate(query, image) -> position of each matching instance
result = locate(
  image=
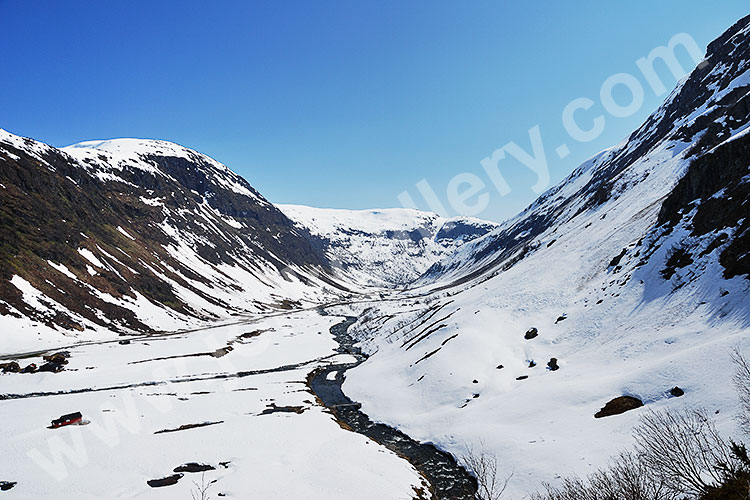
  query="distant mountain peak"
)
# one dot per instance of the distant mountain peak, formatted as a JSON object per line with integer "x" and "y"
{"x": 385, "y": 247}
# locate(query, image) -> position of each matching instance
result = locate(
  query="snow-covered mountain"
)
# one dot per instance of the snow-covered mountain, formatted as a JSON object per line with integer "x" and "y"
{"x": 629, "y": 278}
{"x": 133, "y": 235}
{"x": 696, "y": 138}
{"x": 633, "y": 273}
{"x": 138, "y": 235}
{"x": 387, "y": 247}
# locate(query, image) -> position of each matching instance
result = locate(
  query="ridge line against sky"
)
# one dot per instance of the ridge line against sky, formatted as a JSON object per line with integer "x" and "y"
{"x": 338, "y": 104}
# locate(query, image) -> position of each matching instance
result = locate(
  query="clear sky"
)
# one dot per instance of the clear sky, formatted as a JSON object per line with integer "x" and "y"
{"x": 341, "y": 104}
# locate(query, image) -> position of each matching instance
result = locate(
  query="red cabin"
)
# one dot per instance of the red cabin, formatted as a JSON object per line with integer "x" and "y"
{"x": 69, "y": 419}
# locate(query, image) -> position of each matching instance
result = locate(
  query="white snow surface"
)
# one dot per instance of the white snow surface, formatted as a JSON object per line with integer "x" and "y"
{"x": 129, "y": 393}
{"x": 116, "y": 154}
{"x": 434, "y": 369}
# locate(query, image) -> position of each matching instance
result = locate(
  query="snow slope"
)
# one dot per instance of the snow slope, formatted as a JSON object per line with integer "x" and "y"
{"x": 635, "y": 272}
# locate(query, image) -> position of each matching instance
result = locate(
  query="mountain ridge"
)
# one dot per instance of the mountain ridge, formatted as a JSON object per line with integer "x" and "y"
{"x": 147, "y": 238}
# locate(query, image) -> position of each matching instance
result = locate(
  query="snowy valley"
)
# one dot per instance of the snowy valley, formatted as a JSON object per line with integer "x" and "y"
{"x": 190, "y": 316}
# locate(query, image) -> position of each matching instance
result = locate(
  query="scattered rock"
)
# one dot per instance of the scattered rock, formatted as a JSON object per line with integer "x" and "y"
{"x": 59, "y": 358}
{"x": 124, "y": 342}
{"x": 552, "y": 364}
{"x": 222, "y": 351}
{"x": 11, "y": 367}
{"x": 676, "y": 258}
{"x": 194, "y": 467}
{"x": 532, "y": 363}
{"x": 6, "y": 485}
{"x": 562, "y": 317}
{"x": 617, "y": 258}
{"x": 619, "y": 405}
{"x": 531, "y": 333}
{"x": 676, "y": 392}
{"x": 272, "y": 408}
{"x": 249, "y": 335}
{"x": 30, "y": 368}
{"x": 51, "y": 367}
{"x": 189, "y": 426}
{"x": 225, "y": 464}
{"x": 164, "y": 481}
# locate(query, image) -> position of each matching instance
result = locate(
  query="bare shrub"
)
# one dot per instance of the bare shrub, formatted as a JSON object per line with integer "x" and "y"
{"x": 482, "y": 464}
{"x": 742, "y": 382}
{"x": 200, "y": 491}
{"x": 626, "y": 478}
{"x": 572, "y": 488}
{"x": 685, "y": 451}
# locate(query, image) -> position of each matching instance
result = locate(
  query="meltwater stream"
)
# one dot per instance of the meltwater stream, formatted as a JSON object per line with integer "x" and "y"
{"x": 448, "y": 480}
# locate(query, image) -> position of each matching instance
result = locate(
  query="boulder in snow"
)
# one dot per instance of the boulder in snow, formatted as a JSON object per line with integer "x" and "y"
{"x": 619, "y": 405}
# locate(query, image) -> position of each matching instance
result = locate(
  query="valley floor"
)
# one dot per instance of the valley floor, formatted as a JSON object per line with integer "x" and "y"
{"x": 266, "y": 436}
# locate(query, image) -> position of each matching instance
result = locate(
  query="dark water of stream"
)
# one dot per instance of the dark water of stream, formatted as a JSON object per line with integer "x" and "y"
{"x": 448, "y": 480}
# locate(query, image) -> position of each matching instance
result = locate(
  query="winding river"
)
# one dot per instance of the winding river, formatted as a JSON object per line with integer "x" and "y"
{"x": 448, "y": 480}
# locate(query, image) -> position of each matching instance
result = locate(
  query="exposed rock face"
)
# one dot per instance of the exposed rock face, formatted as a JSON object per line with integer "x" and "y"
{"x": 531, "y": 333}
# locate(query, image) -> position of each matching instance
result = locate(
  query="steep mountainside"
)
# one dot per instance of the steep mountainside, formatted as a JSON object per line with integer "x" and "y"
{"x": 385, "y": 247}
{"x": 700, "y": 129}
{"x": 135, "y": 235}
{"x": 628, "y": 278}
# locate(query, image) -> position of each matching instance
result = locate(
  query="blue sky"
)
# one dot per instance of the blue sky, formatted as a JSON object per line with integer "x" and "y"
{"x": 338, "y": 103}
